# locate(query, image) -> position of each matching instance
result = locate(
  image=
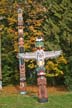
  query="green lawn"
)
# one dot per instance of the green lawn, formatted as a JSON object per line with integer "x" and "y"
{"x": 63, "y": 100}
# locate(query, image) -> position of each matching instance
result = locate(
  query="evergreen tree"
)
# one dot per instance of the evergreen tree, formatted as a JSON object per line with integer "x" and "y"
{"x": 57, "y": 30}
{"x": 48, "y": 18}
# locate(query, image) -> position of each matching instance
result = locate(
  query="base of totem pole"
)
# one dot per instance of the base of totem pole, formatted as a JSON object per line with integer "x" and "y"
{"x": 23, "y": 88}
{"x": 23, "y": 92}
{"x": 43, "y": 100}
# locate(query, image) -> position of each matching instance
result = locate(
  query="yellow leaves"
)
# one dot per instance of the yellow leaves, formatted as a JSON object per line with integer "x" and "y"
{"x": 16, "y": 33}
{"x": 50, "y": 65}
{"x": 11, "y": 20}
{"x": 37, "y": 22}
{"x": 39, "y": 8}
{"x": 51, "y": 75}
{"x": 58, "y": 71}
{"x": 32, "y": 40}
{"x": 28, "y": 20}
{"x": 39, "y": 33}
{"x": 27, "y": 44}
{"x": 25, "y": 33}
{"x": 10, "y": 30}
{"x": 15, "y": 46}
{"x": 62, "y": 60}
{"x": 52, "y": 69}
{"x": 35, "y": 32}
{"x": 31, "y": 28}
{"x": 33, "y": 12}
{"x": 31, "y": 66}
{"x": 1, "y": 27}
{"x": 2, "y": 11}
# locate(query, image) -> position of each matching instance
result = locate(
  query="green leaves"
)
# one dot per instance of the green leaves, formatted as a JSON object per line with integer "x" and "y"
{"x": 51, "y": 19}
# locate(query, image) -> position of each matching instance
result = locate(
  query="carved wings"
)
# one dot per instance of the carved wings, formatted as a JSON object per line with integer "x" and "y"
{"x": 47, "y": 54}
{"x": 29, "y": 55}
{"x": 52, "y": 54}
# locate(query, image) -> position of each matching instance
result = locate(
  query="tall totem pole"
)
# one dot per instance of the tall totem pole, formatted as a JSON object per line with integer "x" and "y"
{"x": 21, "y": 50}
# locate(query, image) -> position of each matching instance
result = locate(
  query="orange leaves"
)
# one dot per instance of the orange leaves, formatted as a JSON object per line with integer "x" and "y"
{"x": 10, "y": 30}
{"x": 2, "y": 11}
{"x": 33, "y": 22}
{"x": 31, "y": 28}
{"x": 30, "y": 1}
{"x": 39, "y": 33}
{"x": 37, "y": 22}
{"x": 32, "y": 39}
{"x": 35, "y": 32}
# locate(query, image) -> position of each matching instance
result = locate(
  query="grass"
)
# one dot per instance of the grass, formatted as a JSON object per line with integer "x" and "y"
{"x": 62, "y": 100}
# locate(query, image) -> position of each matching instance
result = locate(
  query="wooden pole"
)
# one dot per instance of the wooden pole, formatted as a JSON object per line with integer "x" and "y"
{"x": 41, "y": 79}
{"x": 21, "y": 50}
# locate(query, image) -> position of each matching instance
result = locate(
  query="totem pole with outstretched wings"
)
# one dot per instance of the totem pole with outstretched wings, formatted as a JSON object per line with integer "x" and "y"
{"x": 40, "y": 55}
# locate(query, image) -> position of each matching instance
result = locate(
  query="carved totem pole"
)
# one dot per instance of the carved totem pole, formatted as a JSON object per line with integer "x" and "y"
{"x": 41, "y": 79}
{"x": 21, "y": 50}
{"x": 39, "y": 55}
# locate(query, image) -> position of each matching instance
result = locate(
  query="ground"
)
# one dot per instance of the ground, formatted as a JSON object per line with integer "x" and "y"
{"x": 58, "y": 97}
{"x": 33, "y": 89}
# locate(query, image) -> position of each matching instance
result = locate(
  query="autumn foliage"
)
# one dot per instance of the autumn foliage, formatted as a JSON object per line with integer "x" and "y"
{"x": 50, "y": 19}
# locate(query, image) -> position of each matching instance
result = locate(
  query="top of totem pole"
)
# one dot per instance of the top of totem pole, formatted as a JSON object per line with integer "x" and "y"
{"x": 39, "y": 42}
{"x": 39, "y": 39}
{"x": 20, "y": 10}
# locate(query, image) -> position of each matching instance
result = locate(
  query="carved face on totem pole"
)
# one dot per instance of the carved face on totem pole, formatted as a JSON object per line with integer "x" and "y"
{"x": 40, "y": 55}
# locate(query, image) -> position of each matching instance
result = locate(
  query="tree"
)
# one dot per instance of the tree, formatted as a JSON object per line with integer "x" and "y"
{"x": 57, "y": 30}
{"x": 48, "y": 18}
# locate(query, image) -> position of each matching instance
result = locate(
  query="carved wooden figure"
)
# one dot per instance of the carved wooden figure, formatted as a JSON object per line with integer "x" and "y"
{"x": 40, "y": 55}
{"x": 21, "y": 50}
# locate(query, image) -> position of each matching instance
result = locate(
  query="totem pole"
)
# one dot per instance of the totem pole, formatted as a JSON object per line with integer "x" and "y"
{"x": 40, "y": 55}
{"x": 41, "y": 79}
{"x": 21, "y": 50}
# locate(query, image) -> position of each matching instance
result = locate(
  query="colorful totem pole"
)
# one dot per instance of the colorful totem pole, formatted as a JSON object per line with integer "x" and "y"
{"x": 21, "y": 50}
{"x": 40, "y": 55}
{"x": 41, "y": 79}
